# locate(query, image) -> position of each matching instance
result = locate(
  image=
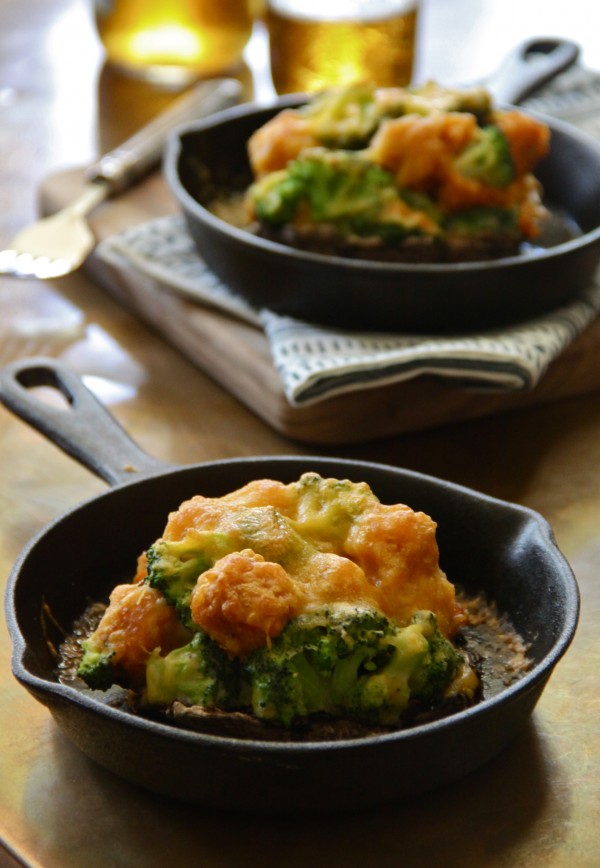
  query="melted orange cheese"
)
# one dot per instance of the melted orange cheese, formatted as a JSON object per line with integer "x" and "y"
{"x": 280, "y": 140}
{"x": 305, "y": 545}
{"x": 420, "y": 148}
{"x": 277, "y": 551}
{"x": 420, "y": 151}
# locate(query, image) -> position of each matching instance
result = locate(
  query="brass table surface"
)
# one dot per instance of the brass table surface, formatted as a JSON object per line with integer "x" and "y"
{"x": 536, "y": 804}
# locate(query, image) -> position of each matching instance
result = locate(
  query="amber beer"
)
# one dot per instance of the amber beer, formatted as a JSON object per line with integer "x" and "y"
{"x": 173, "y": 39}
{"x": 318, "y": 43}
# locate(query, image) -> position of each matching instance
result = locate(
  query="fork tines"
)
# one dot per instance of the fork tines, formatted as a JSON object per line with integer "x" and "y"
{"x": 27, "y": 265}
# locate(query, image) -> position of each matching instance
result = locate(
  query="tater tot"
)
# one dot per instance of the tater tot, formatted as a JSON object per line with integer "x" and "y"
{"x": 419, "y": 150}
{"x": 528, "y": 139}
{"x": 397, "y": 549}
{"x": 280, "y": 140}
{"x": 265, "y": 492}
{"x": 244, "y": 601}
{"x": 199, "y": 512}
{"x": 330, "y": 578}
{"x": 136, "y": 621}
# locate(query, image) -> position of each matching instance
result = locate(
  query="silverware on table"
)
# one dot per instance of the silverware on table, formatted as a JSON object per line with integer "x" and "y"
{"x": 57, "y": 245}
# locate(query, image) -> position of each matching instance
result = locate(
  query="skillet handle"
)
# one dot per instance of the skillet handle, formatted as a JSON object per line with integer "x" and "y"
{"x": 85, "y": 429}
{"x": 531, "y": 65}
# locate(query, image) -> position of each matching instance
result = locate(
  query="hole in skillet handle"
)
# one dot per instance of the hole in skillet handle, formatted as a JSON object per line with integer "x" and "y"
{"x": 529, "y": 67}
{"x": 82, "y": 427}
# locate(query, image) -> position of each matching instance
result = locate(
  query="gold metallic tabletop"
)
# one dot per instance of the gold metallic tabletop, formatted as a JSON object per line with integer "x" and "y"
{"x": 538, "y": 803}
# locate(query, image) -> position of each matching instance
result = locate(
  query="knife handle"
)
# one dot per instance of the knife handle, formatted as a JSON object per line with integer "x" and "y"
{"x": 129, "y": 161}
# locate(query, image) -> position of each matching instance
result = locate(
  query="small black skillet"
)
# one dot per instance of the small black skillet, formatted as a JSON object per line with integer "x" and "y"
{"x": 487, "y": 545}
{"x": 208, "y": 160}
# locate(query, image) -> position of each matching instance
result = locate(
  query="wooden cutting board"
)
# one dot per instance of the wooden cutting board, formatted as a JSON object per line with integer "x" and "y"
{"x": 237, "y": 355}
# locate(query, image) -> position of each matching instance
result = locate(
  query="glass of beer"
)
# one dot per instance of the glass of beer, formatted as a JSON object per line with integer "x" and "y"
{"x": 172, "y": 41}
{"x": 321, "y": 43}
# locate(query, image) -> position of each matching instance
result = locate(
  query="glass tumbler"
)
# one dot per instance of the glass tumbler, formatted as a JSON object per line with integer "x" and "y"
{"x": 321, "y": 43}
{"x": 174, "y": 40}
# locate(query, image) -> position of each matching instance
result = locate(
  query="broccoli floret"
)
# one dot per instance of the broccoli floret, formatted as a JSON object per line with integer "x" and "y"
{"x": 311, "y": 664}
{"x": 275, "y": 197}
{"x": 351, "y": 662}
{"x": 328, "y": 507}
{"x": 431, "y": 96}
{"x": 383, "y": 695}
{"x": 419, "y": 665}
{"x": 270, "y": 534}
{"x": 174, "y": 565}
{"x": 482, "y": 222}
{"x": 342, "y": 187}
{"x": 441, "y": 662}
{"x": 96, "y": 667}
{"x": 488, "y": 159}
{"x": 199, "y": 673}
{"x": 347, "y": 117}
{"x": 344, "y": 117}
{"x": 336, "y": 188}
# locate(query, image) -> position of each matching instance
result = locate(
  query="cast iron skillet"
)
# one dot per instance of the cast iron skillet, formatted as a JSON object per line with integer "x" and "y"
{"x": 209, "y": 158}
{"x": 486, "y": 545}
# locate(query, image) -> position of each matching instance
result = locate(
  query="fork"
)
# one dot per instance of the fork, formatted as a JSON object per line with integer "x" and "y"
{"x": 59, "y": 244}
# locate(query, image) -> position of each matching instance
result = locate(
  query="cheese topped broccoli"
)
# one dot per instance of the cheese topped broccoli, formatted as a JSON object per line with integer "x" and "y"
{"x": 286, "y": 601}
{"x": 397, "y": 164}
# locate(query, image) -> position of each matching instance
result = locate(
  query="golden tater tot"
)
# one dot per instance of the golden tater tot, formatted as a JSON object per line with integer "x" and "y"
{"x": 397, "y": 549}
{"x": 280, "y": 140}
{"x": 136, "y": 621}
{"x": 244, "y": 601}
